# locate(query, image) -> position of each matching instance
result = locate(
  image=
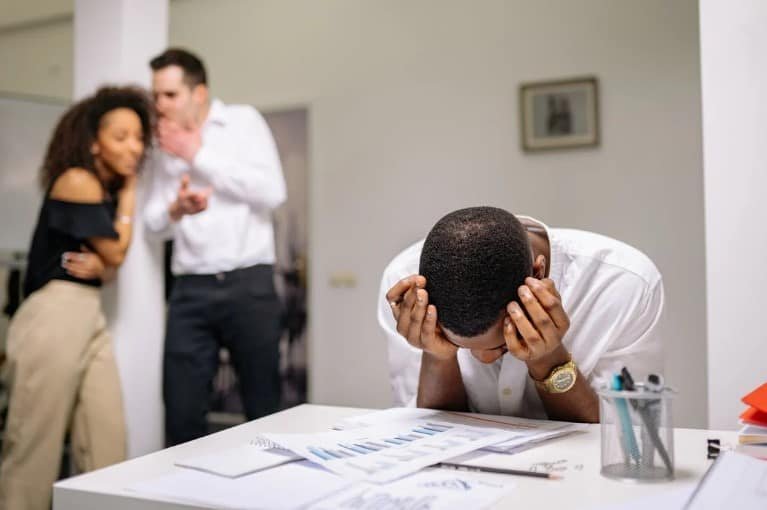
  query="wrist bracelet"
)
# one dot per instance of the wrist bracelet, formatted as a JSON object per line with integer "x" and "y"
{"x": 125, "y": 219}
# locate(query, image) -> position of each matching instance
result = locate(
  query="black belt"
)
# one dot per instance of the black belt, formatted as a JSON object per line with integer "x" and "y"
{"x": 234, "y": 274}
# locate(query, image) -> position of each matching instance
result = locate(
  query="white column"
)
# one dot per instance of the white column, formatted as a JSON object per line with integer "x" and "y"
{"x": 114, "y": 40}
{"x": 734, "y": 81}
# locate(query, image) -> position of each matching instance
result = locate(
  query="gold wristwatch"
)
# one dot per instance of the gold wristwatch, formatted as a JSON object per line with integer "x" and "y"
{"x": 560, "y": 379}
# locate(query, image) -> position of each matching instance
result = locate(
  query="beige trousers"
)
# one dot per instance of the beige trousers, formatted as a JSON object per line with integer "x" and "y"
{"x": 62, "y": 377}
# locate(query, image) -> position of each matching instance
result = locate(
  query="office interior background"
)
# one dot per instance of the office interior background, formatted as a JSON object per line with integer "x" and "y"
{"x": 411, "y": 110}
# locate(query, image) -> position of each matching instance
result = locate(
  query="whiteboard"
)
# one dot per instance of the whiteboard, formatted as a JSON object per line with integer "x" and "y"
{"x": 25, "y": 127}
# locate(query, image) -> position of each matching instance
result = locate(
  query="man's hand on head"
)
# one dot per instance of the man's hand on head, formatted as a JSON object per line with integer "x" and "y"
{"x": 183, "y": 141}
{"x": 417, "y": 319}
{"x": 534, "y": 335}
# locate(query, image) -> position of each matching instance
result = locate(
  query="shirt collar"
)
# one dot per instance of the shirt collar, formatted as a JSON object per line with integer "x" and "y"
{"x": 217, "y": 112}
{"x": 556, "y": 267}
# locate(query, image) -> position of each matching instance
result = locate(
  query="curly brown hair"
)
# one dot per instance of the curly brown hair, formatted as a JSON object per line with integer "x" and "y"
{"x": 77, "y": 129}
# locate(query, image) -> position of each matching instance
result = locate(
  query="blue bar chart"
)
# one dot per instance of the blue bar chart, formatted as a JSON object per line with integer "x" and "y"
{"x": 387, "y": 452}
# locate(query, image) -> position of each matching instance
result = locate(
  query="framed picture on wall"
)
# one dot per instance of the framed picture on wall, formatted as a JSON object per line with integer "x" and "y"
{"x": 559, "y": 114}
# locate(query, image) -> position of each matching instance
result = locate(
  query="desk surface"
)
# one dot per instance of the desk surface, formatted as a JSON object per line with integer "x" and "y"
{"x": 575, "y": 456}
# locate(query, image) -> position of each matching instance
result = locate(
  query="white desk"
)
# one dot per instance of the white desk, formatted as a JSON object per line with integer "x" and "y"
{"x": 578, "y": 455}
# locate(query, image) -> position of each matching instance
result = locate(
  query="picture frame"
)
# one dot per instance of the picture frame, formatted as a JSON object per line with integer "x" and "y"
{"x": 559, "y": 114}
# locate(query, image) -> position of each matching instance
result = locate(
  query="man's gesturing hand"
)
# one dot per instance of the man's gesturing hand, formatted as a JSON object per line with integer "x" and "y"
{"x": 189, "y": 201}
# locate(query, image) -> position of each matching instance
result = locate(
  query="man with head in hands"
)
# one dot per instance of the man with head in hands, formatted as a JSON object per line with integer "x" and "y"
{"x": 499, "y": 314}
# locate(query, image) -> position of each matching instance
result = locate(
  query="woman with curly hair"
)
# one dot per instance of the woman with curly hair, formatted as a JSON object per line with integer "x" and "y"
{"x": 60, "y": 368}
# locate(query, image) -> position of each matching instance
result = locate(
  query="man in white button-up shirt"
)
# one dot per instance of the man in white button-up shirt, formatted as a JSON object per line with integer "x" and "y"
{"x": 502, "y": 315}
{"x": 216, "y": 181}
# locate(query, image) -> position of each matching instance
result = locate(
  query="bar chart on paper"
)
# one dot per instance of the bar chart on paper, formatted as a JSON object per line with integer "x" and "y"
{"x": 387, "y": 452}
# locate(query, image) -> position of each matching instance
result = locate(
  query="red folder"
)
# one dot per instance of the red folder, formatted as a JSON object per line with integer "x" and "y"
{"x": 757, "y": 398}
{"x": 753, "y": 416}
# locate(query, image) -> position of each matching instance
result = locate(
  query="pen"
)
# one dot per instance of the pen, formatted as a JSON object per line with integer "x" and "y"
{"x": 647, "y": 420}
{"x": 503, "y": 471}
{"x": 653, "y": 384}
{"x": 628, "y": 440}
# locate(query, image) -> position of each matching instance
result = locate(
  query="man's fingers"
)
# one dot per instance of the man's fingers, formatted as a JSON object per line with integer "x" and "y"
{"x": 199, "y": 200}
{"x": 429, "y": 329}
{"x": 547, "y": 295}
{"x": 514, "y": 343}
{"x": 396, "y": 294}
{"x": 540, "y": 317}
{"x": 405, "y": 309}
{"x": 526, "y": 330}
{"x": 398, "y": 290}
{"x": 417, "y": 315}
{"x": 401, "y": 297}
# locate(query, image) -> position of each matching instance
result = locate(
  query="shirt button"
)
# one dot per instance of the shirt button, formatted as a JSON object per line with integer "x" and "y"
{"x": 220, "y": 276}
{"x": 506, "y": 392}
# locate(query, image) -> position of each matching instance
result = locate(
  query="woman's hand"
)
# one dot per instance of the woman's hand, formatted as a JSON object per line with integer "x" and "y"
{"x": 84, "y": 264}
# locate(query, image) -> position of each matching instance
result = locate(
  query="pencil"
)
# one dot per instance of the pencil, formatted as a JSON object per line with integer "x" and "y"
{"x": 503, "y": 471}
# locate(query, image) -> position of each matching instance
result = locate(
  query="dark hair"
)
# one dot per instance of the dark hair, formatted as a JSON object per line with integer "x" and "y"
{"x": 474, "y": 260}
{"x": 78, "y": 128}
{"x": 194, "y": 70}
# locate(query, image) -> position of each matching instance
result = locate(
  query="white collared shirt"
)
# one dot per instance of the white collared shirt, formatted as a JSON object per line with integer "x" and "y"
{"x": 613, "y": 294}
{"x": 239, "y": 160}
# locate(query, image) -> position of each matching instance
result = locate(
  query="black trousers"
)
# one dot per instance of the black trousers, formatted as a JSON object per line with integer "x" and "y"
{"x": 238, "y": 310}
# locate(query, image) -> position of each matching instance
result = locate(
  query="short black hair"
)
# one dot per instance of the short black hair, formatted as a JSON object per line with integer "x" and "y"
{"x": 194, "y": 69}
{"x": 474, "y": 260}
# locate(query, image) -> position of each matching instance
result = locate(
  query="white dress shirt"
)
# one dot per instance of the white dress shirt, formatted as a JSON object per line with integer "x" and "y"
{"x": 239, "y": 160}
{"x": 612, "y": 293}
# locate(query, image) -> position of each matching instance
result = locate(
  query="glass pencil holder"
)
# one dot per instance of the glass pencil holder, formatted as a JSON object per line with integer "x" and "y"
{"x": 637, "y": 434}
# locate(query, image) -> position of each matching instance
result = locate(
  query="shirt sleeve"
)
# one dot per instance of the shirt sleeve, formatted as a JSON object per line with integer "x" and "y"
{"x": 81, "y": 220}
{"x": 404, "y": 359}
{"x": 251, "y": 174}
{"x": 162, "y": 192}
{"x": 634, "y": 340}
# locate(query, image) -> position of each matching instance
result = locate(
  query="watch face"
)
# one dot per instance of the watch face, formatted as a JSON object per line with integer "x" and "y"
{"x": 563, "y": 380}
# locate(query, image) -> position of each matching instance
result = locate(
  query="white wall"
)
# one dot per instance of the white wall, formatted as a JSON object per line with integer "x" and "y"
{"x": 734, "y": 80}
{"x": 37, "y": 59}
{"x": 413, "y": 113}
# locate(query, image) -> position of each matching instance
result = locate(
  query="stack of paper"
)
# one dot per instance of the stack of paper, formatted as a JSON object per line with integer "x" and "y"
{"x": 238, "y": 461}
{"x": 752, "y": 438}
{"x": 398, "y": 446}
{"x": 525, "y": 433}
{"x": 303, "y": 485}
{"x": 379, "y": 460}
